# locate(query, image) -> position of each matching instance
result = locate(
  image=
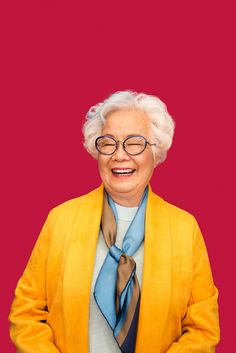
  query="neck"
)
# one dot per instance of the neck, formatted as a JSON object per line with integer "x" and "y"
{"x": 126, "y": 200}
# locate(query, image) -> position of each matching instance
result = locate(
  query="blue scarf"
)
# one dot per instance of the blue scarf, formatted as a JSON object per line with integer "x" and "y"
{"x": 117, "y": 291}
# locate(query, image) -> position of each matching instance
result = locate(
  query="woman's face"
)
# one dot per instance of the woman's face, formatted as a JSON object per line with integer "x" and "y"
{"x": 126, "y": 189}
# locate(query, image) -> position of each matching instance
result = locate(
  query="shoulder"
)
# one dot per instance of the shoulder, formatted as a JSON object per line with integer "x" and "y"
{"x": 173, "y": 210}
{"x": 70, "y": 208}
{"x": 181, "y": 224}
{"x": 179, "y": 218}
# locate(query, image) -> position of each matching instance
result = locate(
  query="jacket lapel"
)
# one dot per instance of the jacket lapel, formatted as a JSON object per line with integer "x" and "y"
{"x": 79, "y": 270}
{"x": 157, "y": 275}
{"x": 156, "y": 283}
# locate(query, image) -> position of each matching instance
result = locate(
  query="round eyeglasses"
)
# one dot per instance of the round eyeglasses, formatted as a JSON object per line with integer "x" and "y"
{"x": 133, "y": 145}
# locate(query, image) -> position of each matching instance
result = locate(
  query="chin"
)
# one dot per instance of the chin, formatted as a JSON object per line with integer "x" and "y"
{"x": 122, "y": 188}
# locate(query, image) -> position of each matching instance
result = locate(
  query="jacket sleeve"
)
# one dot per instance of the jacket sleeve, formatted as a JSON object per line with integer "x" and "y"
{"x": 200, "y": 325}
{"x": 28, "y": 316}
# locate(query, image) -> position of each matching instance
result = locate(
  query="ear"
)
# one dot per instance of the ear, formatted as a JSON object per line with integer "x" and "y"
{"x": 155, "y": 163}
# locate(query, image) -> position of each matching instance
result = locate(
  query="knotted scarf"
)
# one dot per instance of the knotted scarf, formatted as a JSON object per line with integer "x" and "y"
{"x": 117, "y": 291}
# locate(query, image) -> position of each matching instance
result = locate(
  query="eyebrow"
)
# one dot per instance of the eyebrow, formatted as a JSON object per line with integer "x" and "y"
{"x": 131, "y": 135}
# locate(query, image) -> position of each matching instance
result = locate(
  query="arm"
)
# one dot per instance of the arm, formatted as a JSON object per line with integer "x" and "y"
{"x": 200, "y": 326}
{"x": 28, "y": 316}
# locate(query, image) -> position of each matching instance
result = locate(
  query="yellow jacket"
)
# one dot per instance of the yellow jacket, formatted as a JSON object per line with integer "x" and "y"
{"x": 178, "y": 310}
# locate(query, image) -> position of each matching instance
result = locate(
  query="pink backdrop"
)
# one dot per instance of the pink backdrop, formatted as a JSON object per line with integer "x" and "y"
{"x": 60, "y": 58}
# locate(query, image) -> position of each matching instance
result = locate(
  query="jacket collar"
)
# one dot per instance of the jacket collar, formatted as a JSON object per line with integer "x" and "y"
{"x": 156, "y": 280}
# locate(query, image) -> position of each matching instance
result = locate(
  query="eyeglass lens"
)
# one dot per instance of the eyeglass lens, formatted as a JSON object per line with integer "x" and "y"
{"x": 132, "y": 145}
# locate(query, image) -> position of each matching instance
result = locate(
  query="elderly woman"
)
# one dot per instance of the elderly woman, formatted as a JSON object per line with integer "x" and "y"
{"x": 119, "y": 269}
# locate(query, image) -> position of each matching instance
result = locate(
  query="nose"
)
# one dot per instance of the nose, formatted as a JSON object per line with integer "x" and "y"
{"x": 120, "y": 154}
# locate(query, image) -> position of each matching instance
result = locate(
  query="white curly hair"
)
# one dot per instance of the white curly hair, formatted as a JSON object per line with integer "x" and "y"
{"x": 162, "y": 124}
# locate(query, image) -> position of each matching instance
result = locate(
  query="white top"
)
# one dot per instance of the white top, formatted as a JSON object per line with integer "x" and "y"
{"x": 101, "y": 338}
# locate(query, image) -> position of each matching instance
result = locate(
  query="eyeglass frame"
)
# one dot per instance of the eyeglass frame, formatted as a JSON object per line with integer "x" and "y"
{"x": 123, "y": 144}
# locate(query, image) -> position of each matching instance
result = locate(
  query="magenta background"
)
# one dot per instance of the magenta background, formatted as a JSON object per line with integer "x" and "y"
{"x": 59, "y": 58}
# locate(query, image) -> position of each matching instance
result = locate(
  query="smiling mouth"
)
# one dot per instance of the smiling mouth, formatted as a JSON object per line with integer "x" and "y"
{"x": 123, "y": 171}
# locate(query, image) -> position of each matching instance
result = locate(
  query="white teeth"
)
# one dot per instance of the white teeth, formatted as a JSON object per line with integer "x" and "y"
{"x": 123, "y": 171}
